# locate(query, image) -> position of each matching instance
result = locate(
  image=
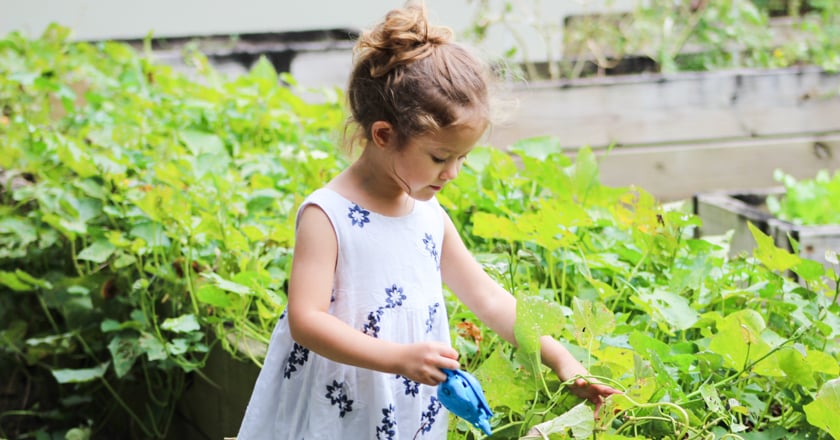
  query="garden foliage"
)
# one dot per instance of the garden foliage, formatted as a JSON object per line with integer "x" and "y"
{"x": 147, "y": 216}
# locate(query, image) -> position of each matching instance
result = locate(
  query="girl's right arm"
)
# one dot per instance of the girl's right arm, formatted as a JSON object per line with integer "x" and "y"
{"x": 310, "y": 290}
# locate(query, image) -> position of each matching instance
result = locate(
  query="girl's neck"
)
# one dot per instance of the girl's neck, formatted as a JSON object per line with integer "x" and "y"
{"x": 369, "y": 184}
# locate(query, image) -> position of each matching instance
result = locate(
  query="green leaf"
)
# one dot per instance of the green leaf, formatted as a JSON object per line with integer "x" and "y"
{"x": 98, "y": 252}
{"x": 12, "y": 281}
{"x": 535, "y": 317}
{"x": 79, "y": 375}
{"x": 213, "y": 295}
{"x": 503, "y": 383}
{"x": 182, "y": 324}
{"x": 823, "y": 411}
{"x": 263, "y": 69}
{"x": 739, "y": 342}
{"x": 228, "y": 285}
{"x": 592, "y": 320}
{"x": 771, "y": 256}
{"x": 580, "y": 420}
{"x": 203, "y": 143}
{"x": 539, "y": 147}
{"x": 668, "y": 307}
{"x": 154, "y": 349}
{"x": 124, "y": 351}
{"x": 796, "y": 368}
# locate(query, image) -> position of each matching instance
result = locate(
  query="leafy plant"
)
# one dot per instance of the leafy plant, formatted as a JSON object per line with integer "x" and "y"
{"x": 807, "y": 201}
{"x": 661, "y": 36}
{"x": 702, "y": 345}
{"x": 146, "y": 217}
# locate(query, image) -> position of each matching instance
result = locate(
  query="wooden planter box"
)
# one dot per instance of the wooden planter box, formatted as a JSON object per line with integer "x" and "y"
{"x": 680, "y": 134}
{"x": 731, "y": 210}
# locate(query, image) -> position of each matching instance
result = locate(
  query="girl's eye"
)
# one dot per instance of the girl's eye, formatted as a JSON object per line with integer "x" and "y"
{"x": 436, "y": 159}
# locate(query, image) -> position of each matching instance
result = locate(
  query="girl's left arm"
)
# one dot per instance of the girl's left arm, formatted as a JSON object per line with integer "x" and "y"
{"x": 496, "y": 307}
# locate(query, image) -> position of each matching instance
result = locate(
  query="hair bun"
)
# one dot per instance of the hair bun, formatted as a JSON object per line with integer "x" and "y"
{"x": 403, "y": 37}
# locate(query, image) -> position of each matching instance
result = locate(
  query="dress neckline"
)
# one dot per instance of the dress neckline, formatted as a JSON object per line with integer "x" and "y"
{"x": 378, "y": 214}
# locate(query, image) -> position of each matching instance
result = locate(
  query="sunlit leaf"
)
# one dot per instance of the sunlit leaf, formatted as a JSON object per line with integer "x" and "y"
{"x": 79, "y": 375}
{"x": 182, "y": 324}
{"x": 124, "y": 351}
{"x": 823, "y": 411}
{"x": 771, "y": 256}
{"x": 579, "y": 421}
{"x": 98, "y": 252}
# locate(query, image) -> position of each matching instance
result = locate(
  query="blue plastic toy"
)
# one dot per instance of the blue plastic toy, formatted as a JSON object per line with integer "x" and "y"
{"x": 462, "y": 394}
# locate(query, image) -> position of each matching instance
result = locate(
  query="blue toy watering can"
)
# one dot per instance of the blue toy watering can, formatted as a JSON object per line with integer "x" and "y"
{"x": 461, "y": 394}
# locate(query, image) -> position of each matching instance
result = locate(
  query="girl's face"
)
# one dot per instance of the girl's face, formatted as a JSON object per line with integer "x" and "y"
{"x": 427, "y": 163}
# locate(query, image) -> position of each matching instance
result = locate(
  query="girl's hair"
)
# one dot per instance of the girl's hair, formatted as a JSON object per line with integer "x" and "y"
{"x": 412, "y": 75}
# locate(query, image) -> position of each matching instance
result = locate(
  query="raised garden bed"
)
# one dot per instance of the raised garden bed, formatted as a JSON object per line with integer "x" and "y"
{"x": 731, "y": 210}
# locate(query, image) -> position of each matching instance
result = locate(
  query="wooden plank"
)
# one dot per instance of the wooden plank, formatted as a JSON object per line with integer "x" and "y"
{"x": 674, "y": 108}
{"x": 678, "y": 172}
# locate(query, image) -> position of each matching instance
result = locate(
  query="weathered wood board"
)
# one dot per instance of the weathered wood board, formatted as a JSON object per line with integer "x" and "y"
{"x": 679, "y": 171}
{"x": 674, "y": 108}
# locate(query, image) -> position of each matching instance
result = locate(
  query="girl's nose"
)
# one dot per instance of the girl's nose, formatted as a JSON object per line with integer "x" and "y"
{"x": 451, "y": 171}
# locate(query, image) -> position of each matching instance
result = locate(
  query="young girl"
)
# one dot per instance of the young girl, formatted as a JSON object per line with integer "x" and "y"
{"x": 360, "y": 348}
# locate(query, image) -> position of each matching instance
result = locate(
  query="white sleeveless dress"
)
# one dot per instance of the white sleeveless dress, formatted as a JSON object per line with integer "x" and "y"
{"x": 387, "y": 285}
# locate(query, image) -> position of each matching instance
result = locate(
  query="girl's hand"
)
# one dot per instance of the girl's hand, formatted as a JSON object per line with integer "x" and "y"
{"x": 422, "y": 362}
{"x": 592, "y": 391}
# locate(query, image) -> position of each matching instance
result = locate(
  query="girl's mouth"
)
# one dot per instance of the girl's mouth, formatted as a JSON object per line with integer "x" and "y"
{"x": 436, "y": 187}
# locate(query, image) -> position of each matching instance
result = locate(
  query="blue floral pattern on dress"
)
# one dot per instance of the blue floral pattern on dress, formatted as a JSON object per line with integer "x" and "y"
{"x": 371, "y": 327}
{"x": 427, "y": 419}
{"x": 411, "y": 387}
{"x": 386, "y": 430}
{"x": 395, "y": 297}
{"x": 297, "y": 358}
{"x": 338, "y": 397}
{"x": 358, "y": 216}
{"x": 431, "y": 247}
{"x": 431, "y": 320}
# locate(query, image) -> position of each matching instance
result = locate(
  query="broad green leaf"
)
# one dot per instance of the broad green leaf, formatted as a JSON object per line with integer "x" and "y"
{"x": 710, "y": 396}
{"x": 503, "y": 383}
{"x": 124, "y": 351}
{"x": 203, "y": 143}
{"x": 585, "y": 174}
{"x": 153, "y": 348}
{"x": 153, "y": 234}
{"x": 739, "y": 342}
{"x": 98, "y": 252}
{"x": 495, "y": 227}
{"x": 668, "y": 307}
{"x": 591, "y": 320}
{"x": 181, "y": 324}
{"x": 79, "y": 375}
{"x": 580, "y": 421}
{"x": 535, "y": 317}
{"x": 213, "y": 295}
{"x": 29, "y": 279}
{"x": 771, "y": 256}
{"x": 822, "y": 362}
{"x": 12, "y": 281}
{"x": 539, "y": 147}
{"x": 264, "y": 70}
{"x": 796, "y": 368}
{"x": 823, "y": 411}
{"x": 178, "y": 346}
{"x": 809, "y": 270}
{"x": 228, "y": 285}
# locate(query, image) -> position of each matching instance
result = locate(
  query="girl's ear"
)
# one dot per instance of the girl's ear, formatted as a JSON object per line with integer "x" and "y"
{"x": 382, "y": 133}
